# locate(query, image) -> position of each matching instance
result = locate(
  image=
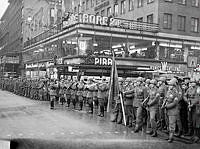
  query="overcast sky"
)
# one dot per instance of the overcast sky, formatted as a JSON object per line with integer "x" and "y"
{"x": 3, "y": 6}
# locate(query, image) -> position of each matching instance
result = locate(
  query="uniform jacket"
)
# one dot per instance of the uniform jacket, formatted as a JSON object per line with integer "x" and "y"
{"x": 172, "y": 98}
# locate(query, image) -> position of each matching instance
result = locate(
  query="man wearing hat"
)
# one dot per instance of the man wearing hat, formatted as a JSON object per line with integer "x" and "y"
{"x": 171, "y": 106}
{"x": 80, "y": 87}
{"x": 162, "y": 90}
{"x": 117, "y": 112}
{"x": 128, "y": 103}
{"x": 191, "y": 97}
{"x": 152, "y": 105}
{"x": 52, "y": 93}
{"x": 89, "y": 97}
{"x": 140, "y": 96}
{"x": 101, "y": 95}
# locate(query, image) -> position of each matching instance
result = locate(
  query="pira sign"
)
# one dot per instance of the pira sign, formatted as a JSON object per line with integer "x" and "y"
{"x": 102, "y": 61}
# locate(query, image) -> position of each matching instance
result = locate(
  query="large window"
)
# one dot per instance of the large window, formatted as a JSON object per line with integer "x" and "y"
{"x": 167, "y": 21}
{"x": 195, "y": 3}
{"x": 131, "y": 5}
{"x": 150, "y": 18}
{"x": 109, "y": 11}
{"x": 194, "y": 24}
{"x": 116, "y": 10}
{"x": 83, "y": 6}
{"x": 103, "y": 13}
{"x": 87, "y": 4}
{"x": 181, "y": 23}
{"x": 150, "y": 1}
{"x": 92, "y": 3}
{"x": 182, "y": 2}
{"x": 123, "y": 7}
{"x": 140, "y": 3}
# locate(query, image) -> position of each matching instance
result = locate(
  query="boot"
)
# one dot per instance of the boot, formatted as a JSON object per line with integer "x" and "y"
{"x": 170, "y": 140}
{"x": 154, "y": 134}
{"x": 189, "y": 132}
{"x": 179, "y": 133}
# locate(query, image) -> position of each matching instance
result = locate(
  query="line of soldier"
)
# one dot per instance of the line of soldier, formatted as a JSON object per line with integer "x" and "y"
{"x": 171, "y": 106}
{"x": 86, "y": 91}
{"x": 150, "y": 104}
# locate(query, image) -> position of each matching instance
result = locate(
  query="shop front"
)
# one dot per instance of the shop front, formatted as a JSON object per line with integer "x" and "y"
{"x": 85, "y": 41}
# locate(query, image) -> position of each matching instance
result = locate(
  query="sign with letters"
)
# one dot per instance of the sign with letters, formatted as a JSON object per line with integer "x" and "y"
{"x": 107, "y": 21}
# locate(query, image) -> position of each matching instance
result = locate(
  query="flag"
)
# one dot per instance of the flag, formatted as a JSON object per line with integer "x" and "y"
{"x": 114, "y": 85}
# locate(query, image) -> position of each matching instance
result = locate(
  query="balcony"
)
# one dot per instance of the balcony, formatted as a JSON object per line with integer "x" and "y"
{"x": 116, "y": 23}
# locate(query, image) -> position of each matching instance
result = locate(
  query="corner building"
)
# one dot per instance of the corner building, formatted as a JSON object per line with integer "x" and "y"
{"x": 149, "y": 37}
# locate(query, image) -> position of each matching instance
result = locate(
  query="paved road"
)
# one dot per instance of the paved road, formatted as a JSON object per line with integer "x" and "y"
{"x": 27, "y": 120}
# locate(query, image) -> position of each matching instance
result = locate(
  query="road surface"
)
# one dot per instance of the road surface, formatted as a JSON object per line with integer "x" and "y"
{"x": 33, "y": 124}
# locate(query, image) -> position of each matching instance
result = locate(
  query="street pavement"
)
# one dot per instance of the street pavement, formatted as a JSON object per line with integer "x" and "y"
{"x": 31, "y": 124}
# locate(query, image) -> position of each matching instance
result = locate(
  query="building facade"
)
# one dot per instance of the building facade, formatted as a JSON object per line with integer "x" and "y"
{"x": 23, "y": 20}
{"x": 136, "y": 30}
{"x": 11, "y": 38}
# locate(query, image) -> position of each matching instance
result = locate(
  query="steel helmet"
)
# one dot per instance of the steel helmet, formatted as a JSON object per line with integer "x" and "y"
{"x": 163, "y": 79}
{"x": 139, "y": 79}
{"x": 153, "y": 81}
{"x": 173, "y": 81}
{"x": 147, "y": 81}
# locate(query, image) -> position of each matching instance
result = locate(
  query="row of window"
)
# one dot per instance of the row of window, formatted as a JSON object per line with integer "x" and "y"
{"x": 194, "y": 3}
{"x": 87, "y": 3}
{"x": 181, "y": 22}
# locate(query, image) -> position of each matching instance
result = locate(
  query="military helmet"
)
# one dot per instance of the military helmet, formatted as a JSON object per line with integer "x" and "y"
{"x": 163, "y": 79}
{"x": 153, "y": 81}
{"x": 139, "y": 79}
{"x": 173, "y": 81}
{"x": 147, "y": 81}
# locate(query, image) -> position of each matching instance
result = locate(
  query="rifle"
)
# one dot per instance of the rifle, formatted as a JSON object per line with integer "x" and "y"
{"x": 189, "y": 106}
{"x": 164, "y": 104}
{"x": 145, "y": 101}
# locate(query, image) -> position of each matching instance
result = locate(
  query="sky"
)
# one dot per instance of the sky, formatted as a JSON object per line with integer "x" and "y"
{"x": 3, "y": 4}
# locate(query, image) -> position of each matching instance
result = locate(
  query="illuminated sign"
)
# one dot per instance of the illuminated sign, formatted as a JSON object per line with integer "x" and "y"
{"x": 102, "y": 61}
{"x": 108, "y": 21}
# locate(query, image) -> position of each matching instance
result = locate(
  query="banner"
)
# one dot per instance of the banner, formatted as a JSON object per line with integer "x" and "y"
{"x": 114, "y": 85}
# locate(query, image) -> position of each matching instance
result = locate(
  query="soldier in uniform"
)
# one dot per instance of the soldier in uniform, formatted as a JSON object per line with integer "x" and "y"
{"x": 89, "y": 97}
{"x": 74, "y": 92}
{"x": 101, "y": 95}
{"x": 140, "y": 96}
{"x": 80, "y": 87}
{"x": 128, "y": 103}
{"x": 52, "y": 93}
{"x": 62, "y": 92}
{"x": 192, "y": 98}
{"x": 162, "y": 90}
{"x": 152, "y": 104}
{"x": 41, "y": 89}
{"x": 67, "y": 90}
{"x": 117, "y": 112}
{"x": 171, "y": 105}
